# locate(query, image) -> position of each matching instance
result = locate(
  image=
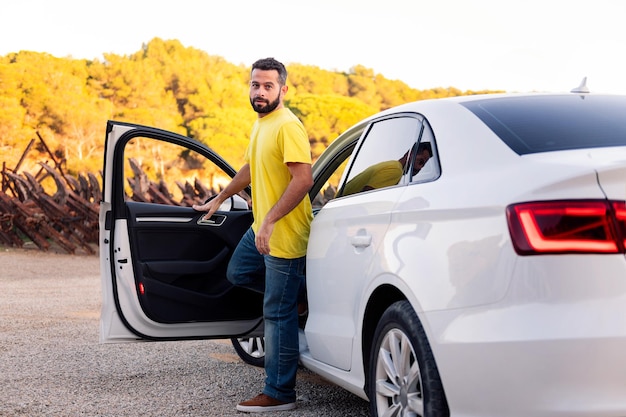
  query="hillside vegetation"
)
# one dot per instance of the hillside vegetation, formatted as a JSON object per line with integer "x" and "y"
{"x": 67, "y": 101}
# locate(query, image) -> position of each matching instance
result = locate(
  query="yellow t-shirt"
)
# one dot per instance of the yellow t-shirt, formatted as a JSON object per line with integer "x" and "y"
{"x": 382, "y": 174}
{"x": 276, "y": 139}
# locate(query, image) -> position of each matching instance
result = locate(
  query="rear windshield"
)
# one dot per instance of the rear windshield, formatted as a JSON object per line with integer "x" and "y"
{"x": 532, "y": 124}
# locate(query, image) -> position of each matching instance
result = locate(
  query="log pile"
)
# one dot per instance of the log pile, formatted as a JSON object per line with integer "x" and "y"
{"x": 67, "y": 219}
{"x": 144, "y": 190}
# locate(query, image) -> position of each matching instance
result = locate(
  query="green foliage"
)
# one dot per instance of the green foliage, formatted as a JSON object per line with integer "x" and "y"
{"x": 326, "y": 116}
{"x": 41, "y": 93}
{"x": 137, "y": 91}
{"x": 226, "y": 131}
{"x": 182, "y": 89}
{"x": 313, "y": 80}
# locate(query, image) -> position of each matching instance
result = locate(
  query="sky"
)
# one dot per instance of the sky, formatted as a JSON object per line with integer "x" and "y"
{"x": 511, "y": 45}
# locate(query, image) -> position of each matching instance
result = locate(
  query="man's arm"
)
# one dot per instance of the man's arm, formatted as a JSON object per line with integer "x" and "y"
{"x": 240, "y": 181}
{"x": 300, "y": 184}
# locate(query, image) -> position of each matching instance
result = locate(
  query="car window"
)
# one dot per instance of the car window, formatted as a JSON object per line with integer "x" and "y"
{"x": 531, "y": 124}
{"x": 425, "y": 169}
{"x": 332, "y": 177}
{"x": 160, "y": 172}
{"x": 384, "y": 156}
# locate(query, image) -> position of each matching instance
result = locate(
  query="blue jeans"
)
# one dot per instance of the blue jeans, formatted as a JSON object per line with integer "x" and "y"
{"x": 281, "y": 281}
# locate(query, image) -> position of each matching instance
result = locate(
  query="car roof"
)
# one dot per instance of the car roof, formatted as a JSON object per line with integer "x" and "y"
{"x": 539, "y": 122}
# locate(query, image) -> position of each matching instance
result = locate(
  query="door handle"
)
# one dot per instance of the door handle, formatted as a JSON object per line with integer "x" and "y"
{"x": 215, "y": 220}
{"x": 361, "y": 241}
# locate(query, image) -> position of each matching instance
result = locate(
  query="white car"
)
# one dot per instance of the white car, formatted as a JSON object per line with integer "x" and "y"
{"x": 490, "y": 283}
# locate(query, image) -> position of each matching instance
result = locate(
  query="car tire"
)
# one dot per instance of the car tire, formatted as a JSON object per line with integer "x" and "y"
{"x": 250, "y": 349}
{"x": 403, "y": 375}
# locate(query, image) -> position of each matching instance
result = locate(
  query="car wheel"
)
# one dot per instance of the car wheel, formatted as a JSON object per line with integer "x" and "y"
{"x": 403, "y": 376}
{"x": 250, "y": 349}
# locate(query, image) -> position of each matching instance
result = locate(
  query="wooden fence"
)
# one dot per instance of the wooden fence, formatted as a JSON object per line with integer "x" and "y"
{"x": 67, "y": 220}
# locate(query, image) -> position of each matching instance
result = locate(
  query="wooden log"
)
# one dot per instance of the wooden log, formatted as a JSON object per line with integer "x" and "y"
{"x": 63, "y": 190}
{"x": 94, "y": 188}
{"x": 19, "y": 186}
{"x": 202, "y": 190}
{"x": 57, "y": 164}
{"x": 84, "y": 187}
{"x": 25, "y": 221}
{"x": 8, "y": 232}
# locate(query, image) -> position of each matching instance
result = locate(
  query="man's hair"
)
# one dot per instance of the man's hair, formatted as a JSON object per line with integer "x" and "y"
{"x": 421, "y": 147}
{"x": 268, "y": 64}
{"x": 425, "y": 146}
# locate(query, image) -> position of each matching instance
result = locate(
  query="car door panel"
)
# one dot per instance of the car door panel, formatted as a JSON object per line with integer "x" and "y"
{"x": 338, "y": 264}
{"x": 163, "y": 267}
{"x": 345, "y": 237}
{"x": 180, "y": 264}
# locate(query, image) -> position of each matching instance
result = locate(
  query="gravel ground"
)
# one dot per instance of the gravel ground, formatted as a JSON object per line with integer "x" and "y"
{"x": 51, "y": 363}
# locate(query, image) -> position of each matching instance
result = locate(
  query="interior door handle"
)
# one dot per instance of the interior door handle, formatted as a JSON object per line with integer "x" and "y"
{"x": 215, "y": 220}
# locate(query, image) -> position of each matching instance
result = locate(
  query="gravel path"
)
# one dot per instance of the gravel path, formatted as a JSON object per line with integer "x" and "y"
{"x": 51, "y": 363}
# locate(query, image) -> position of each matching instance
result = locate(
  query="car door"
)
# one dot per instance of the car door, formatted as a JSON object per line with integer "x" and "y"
{"x": 163, "y": 267}
{"x": 346, "y": 233}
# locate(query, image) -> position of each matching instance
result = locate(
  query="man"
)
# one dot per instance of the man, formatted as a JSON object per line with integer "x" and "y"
{"x": 271, "y": 255}
{"x": 388, "y": 173}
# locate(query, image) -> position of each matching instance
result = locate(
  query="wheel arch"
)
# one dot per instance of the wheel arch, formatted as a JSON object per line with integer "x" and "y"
{"x": 382, "y": 297}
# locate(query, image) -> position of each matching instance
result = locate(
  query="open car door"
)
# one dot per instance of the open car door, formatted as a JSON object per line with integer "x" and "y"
{"x": 163, "y": 267}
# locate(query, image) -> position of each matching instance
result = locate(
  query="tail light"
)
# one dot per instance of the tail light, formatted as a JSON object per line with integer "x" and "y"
{"x": 549, "y": 227}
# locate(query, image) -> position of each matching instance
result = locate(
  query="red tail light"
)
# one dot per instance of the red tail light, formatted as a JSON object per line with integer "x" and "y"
{"x": 593, "y": 226}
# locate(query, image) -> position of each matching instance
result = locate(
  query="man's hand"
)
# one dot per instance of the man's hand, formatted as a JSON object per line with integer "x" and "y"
{"x": 240, "y": 181}
{"x": 262, "y": 238}
{"x": 210, "y": 207}
{"x": 297, "y": 189}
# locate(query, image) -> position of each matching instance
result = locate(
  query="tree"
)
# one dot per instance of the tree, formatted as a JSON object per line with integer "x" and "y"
{"x": 226, "y": 131}
{"x": 137, "y": 92}
{"x": 200, "y": 83}
{"x": 172, "y": 87}
{"x": 325, "y": 117}
{"x": 362, "y": 86}
{"x": 53, "y": 95}
{"x": 307, "y": 79}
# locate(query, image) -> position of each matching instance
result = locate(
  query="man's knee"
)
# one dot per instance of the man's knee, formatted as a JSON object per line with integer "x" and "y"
{"x": 232, "y": 276}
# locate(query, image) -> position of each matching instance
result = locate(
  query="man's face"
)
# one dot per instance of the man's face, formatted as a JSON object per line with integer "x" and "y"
{"x": 420, "y": 160}
{"x": 266, "y": 92}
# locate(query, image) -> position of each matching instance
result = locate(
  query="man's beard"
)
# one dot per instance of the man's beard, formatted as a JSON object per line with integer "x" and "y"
{"x": 267, "y": 106}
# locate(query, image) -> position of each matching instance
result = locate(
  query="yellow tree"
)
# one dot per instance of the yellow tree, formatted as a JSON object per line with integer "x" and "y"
{"x": 326, "y": 116}
{"x": 200, "y": 83}
{"x": 55, "y": 102}
{"x": 362, "y": 86}
{"x": 313, "y": 80}
{"x": 137, "y": 92}
{"x": 12, "y": 116}
{"x": 226, "y": 131}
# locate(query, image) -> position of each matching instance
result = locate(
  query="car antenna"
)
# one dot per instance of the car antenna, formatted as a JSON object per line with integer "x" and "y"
{"x": 582, "y": 88}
